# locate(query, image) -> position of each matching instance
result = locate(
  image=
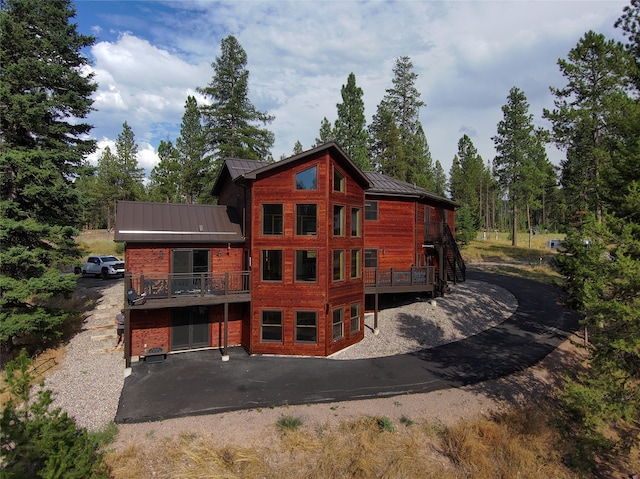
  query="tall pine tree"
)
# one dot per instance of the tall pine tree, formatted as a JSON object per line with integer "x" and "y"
{"x": 230, "y": 119}
{"x": 350, "y": 127}
{"x": 194, "y": 165}
{"x": 45, "y": 96}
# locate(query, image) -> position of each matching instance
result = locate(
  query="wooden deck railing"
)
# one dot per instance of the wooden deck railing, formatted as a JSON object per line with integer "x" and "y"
{"x": 415, "y": 277}
{"x": 178, "y": 285}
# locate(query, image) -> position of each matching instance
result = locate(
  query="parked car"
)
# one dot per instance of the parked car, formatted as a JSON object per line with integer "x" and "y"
{"x": 103, "y": 266}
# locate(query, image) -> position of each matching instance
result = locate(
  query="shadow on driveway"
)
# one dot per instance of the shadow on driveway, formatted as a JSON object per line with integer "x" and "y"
{"x": 200, "y": 383}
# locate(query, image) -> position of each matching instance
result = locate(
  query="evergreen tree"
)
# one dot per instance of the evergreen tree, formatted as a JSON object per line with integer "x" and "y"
{"x": 297, "y": 148}
{"x": 128, "y": 176}
{"x": 350, "y": 128}
{"x": 193, "y": 163}
{"x": 519, "y": 154}
{"x": 106, "y": 191}
{"x": 165, "y": 176}
{"x": 468, "y": 184}
{"x": 45, "y": 97}
{"x": 230, "y": 119}
{"x": 597, "y": 77}
{"x": 441, "y": 185}
{"x": 326, "y": 133}
{"x": 397, "y": 141}
{"x": 36, "y": 441}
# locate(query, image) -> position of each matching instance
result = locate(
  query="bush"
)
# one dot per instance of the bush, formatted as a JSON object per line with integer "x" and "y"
{"x": 38, "y": 442}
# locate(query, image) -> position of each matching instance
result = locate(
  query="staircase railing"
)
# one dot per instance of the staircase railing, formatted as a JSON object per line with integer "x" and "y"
{"x": 456, "y": 264}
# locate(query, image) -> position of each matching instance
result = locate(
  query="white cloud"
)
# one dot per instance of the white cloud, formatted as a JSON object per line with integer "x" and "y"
{"x": 467, "y": 55}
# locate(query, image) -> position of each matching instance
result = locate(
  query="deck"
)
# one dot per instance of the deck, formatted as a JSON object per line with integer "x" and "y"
{"x": 400, "y": 280}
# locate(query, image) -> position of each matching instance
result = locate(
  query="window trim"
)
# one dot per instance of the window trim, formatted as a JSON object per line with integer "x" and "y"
{"x": 295, "y": 266}
{"x": 357, "y": 254}
{"x": 342, "y": 182}
{"x": 295, "y": 178}
{"x": 342, "y": 222}
{"x": 273, "y": 216}
{"x": 351, "y": 317}
{"x": 314, "y": 327}
{"x": 262, "y": 263}
{"x": 339, "y": 323}
{"x": 273, "y": 341}
{"x": 369, "y": 212}
{"x": 341, "y": 254}
{"x": 357, "y": 223}
{"x": 298, "y": 223}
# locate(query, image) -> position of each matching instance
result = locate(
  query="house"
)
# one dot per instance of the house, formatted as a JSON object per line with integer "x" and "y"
{"x": 288, "y": 260}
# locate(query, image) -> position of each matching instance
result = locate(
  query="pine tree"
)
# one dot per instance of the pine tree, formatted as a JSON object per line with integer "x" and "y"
{"x": 36, "y": 441}
{"x": 297, "y": 148}
{"x": 597, "y": 77}
{"x": 230, "y": 119}
{"x": 165, "y": 176}
{"x": 106, "y": 191}
{"x": 326, "y": 133}
{"x": 519, "y": 153}
{"x": 45, "y": 97}
{"x": 350, "y": 127}
{"x": 190, "y": 145}
{"x": 468, "y": 183}
{"x": 440, "y": 179}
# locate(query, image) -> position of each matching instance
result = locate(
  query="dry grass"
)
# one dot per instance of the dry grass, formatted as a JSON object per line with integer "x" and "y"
{"x": 516, "y": 444}
{"x": 98, "y": 242}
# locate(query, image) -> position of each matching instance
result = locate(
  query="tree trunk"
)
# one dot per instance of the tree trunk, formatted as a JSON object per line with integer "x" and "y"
{"x": 529, "y": 224}
{"x": 514, "y": 226}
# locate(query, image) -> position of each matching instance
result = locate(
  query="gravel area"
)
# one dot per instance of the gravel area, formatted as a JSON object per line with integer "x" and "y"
{"x": 87, "y": 385}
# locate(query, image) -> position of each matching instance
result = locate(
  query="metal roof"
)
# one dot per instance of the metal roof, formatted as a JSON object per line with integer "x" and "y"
{"x": 384, "y": 185}
{"x": 144, "y": 222}
{"x": 238, "y": 167}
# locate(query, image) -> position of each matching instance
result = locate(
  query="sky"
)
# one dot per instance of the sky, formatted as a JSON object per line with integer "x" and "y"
{"x": 150, "y": 55}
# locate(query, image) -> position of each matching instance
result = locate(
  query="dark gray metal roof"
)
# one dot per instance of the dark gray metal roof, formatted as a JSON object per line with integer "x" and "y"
{"x": 384, "y": 185}
{"x": 144, "y": 222}
{"x": 238, "y": 167}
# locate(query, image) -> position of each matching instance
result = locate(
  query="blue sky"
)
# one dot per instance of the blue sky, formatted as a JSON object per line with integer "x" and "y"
{"x": 150, "y": 55}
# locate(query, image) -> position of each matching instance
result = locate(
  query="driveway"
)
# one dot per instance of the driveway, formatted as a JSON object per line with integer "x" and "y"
{"x": 200, "y": 383}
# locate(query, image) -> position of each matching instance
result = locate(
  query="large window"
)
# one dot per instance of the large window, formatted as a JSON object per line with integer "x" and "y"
{"x": 272, "y": 219}
{"x": 338, "y": 180}
{"x": 338, "y": 220}
{"x": 272, "y": 265}
{"x": 190, "y": 261}
{"x": 306, "y": 327}
{"x": 306, "y": 219}
{"x": 271, "y": 326}
{"x": 307, "y": 179}
{"x": 306, "y": 265}
{"x": 356, "y": 222}
{"x": 338, "y": 324}
{"x": 356, "y": 263}
{"x": 354, "y": 326}
{"x": 371, "y": 210}
{"x": 338, "y": 265}
{"x": 371, "y": 258}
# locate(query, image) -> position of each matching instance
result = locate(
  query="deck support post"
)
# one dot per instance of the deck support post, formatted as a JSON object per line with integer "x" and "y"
{"x": 225, "y": 352}
{"x": 376, "y": 331}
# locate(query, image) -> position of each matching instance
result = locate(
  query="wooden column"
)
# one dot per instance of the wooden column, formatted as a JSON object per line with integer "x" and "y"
{"x": 376, "y": 331}
{"x": 225, "y": 352}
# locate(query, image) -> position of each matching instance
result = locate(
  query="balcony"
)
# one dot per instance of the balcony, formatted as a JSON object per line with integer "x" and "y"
{"x": 433, "y": 232}
{"x": 198, "y": 289}
{"x": 399, "y": 281}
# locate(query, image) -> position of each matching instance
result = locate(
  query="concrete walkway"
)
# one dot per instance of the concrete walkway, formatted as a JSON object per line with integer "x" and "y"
{"x": 200, "y": 383}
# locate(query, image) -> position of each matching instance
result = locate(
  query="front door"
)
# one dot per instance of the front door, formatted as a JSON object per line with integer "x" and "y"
{"x": 190, "y": 328}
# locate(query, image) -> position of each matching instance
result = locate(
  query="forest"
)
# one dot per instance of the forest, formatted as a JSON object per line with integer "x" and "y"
{"x": 50, "y": 192}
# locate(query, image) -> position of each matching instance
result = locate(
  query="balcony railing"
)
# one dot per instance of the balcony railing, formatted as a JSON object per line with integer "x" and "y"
{"x": 179, "y": 285}
{"x": 433, "y": 231}
{"x": 415, "y": 277}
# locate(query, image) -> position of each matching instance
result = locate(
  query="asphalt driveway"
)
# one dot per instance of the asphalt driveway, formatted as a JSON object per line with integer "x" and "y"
{"x": 200, "y": 383}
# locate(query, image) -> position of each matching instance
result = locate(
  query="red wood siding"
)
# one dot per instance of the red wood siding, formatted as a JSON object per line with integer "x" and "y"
{"x": 151, "y": 328}
{"x": 288, "y": 295}
{"x": 394, "y": 234}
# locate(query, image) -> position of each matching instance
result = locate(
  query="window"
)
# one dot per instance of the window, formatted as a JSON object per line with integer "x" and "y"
{"x": 356, "y": 222}
{"x": 338, "y": 265}
{"x": 355, "y": 318}
{"x": 338, "y": 220}
{"x": 271, "y": 219}
{"x": 338, "y": 324}
{"x": 271, "y": 326}
{"x": 338, "y": 180}
{"x": 306, "y": 265}
{"x": 272, "y": 265}
{"x": 371, "y": 258}
{"x": 306, "y": 220}
{"x": 371, "y": 210}
{"x": 356, "y": 263}
{"x": 190, "y": 261}
{"x": 306, "y": 327}
{"x": 307, "y": 179}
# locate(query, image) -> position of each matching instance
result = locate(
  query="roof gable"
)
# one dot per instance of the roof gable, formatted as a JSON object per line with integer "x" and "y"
{"x": 142, "y": 222}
